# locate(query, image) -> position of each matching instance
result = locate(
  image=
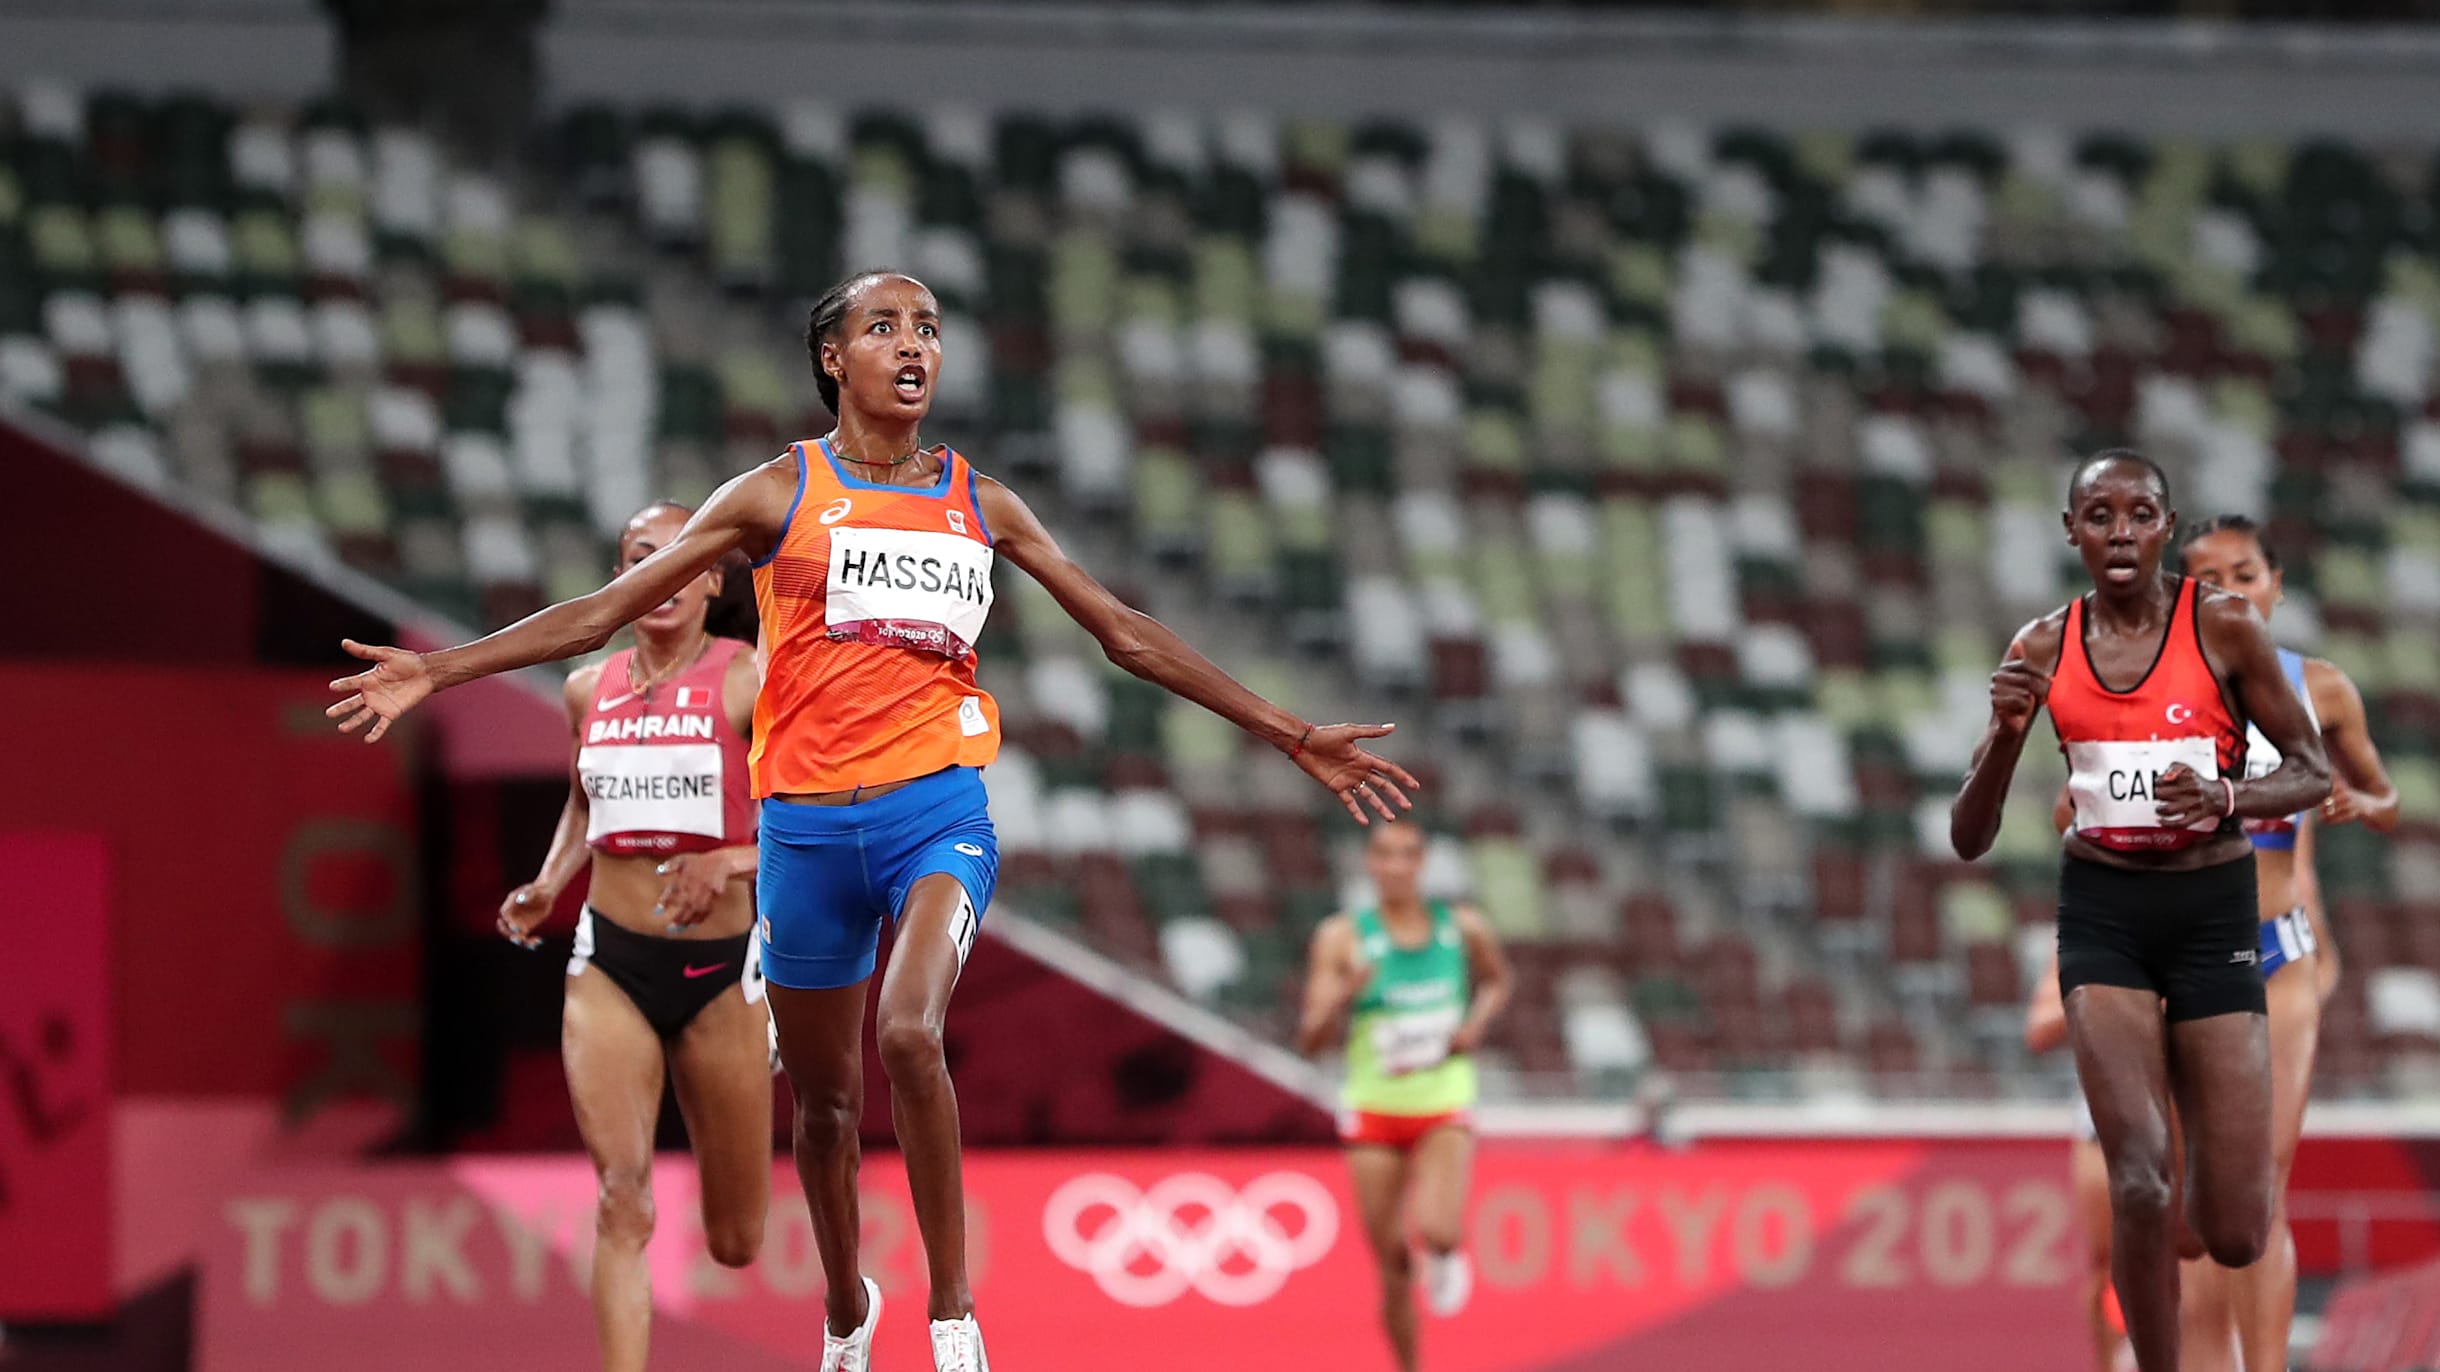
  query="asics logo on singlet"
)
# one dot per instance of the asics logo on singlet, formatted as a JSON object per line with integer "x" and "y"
{"x": 969, "y": 849}
{"x": 2181, "y": 714}
{"x": 836, "y": 510}
{"x": 1191, "y": 1232}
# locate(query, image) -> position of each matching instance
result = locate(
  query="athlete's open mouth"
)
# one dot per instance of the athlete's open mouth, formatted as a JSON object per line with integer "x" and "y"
{"x": 911, "y": 382}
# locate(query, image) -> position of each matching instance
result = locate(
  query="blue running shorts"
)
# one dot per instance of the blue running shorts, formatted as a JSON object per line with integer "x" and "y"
{"x": 830, "y": 874}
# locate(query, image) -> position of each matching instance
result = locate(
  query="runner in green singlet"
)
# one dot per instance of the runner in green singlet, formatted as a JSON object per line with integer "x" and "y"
{"x": 1418, "y": 982}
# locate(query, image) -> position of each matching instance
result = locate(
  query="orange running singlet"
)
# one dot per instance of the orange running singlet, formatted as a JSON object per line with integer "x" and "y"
{"x": 870, "y": 607}
{"x": 2118, "y": 743}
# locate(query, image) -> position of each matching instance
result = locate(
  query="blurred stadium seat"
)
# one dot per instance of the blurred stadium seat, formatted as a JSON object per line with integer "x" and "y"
{"x": 1673, "y": 489}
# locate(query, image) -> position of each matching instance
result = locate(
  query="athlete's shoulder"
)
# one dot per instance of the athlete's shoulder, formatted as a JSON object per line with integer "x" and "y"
{"x": 783, "y": 470}
{"x": 1336, "y": 927}
{"x": 2333, "y": 691}
{"x": 990, "y": 490}
{"x": 761, "y": 495}
{"x": 583, "y": 686}
{"x": 745, "y": 663}
{"x": 2039, "y": 641}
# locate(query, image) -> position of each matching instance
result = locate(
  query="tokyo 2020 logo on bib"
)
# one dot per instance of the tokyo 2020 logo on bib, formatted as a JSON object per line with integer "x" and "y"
{"x": 1191, "y": 1232}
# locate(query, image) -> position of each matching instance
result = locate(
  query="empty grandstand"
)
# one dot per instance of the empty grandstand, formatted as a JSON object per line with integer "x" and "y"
{"x": 1678, "y": 483}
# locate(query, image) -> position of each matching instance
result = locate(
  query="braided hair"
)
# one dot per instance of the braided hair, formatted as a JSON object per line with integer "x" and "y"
{"x": 2237, "y": 524}
{"x": 822, "y": 325}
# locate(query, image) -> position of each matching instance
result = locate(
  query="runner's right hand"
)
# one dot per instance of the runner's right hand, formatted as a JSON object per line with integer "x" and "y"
{"x": 2018, "y": 689}
{"x": 690, "y": 889}
{"x": 397, "y": 682}
{"x": 525, "y": 907}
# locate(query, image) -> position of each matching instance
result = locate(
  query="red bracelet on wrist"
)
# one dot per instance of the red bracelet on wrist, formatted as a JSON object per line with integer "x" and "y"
{"x": 1299, "y": 750}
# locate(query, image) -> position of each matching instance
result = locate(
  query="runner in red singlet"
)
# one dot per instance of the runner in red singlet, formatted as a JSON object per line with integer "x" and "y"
{"x": 2151, "y": 682}
{"x": 873, "y": 553}
{"x": 664, "y": 977}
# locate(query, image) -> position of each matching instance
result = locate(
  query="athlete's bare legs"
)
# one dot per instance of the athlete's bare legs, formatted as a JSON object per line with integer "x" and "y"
{"x": 1380, "y": 1175}
{"x": 821, "y": 1043}
{"x": 2222, "y": 1090}
{"x": 2089, "y": 1181}
{"x": 2262, "y": 1298}
{"x": 721, "y": 1071}
{"x": 614, "y": 1071}
{"x": 924, "y": 965}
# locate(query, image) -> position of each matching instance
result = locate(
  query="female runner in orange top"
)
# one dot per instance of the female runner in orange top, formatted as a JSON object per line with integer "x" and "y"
{"x": 872, "y": 558}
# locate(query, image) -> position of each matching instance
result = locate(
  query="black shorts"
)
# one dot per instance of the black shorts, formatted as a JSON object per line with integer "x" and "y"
{"x": 2192, "y": 938}
{"x": 669, "y": 979}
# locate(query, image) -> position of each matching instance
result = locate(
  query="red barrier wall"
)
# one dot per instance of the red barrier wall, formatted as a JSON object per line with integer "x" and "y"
{"x": 1728, "y": 1257}
{"x": 264, "y": 902}
{"x": 117, "y": 575}
{"x": 55, "y": 1061}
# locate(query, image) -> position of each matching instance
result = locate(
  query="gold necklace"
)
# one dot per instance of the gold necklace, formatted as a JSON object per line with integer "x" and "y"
{"x": 677, "y": 667}
{"x": 891, "y": 465}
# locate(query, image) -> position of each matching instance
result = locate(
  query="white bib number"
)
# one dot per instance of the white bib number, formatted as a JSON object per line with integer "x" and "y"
{"x": 908, "y": 588}
{"x": 2115, "y": 785}
{"x": 668, "y": 788}
{"x": 1412, "y": 1040}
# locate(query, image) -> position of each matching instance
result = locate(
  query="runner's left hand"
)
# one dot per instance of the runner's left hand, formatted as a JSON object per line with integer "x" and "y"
{"x": 1469, "y": 1036}
{"x": 396, "y": 682}
{"x": 2341, "y": 807}
{"x": 2183, "y": 798}
{"x": 690, "y": 886}
{"x": 524, "y": 908}
{"x": 1334, "y": 755}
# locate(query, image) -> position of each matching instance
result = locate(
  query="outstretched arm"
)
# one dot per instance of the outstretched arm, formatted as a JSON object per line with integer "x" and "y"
{"x": 2018, "y": 689}
{"x": 749, "y": 512}
{"x": 1331, "y": 754}
{"x": 2366, "y": 793}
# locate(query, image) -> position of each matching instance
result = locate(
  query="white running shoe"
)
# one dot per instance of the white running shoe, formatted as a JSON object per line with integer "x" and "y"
{"x": 957, "y": 1346}
{"x": 1448, "y": 1282}
{"x": 855, "y": 1352}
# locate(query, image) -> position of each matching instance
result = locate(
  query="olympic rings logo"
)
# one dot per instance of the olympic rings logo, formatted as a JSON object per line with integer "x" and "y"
{"x": 1190, "y": 1232}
